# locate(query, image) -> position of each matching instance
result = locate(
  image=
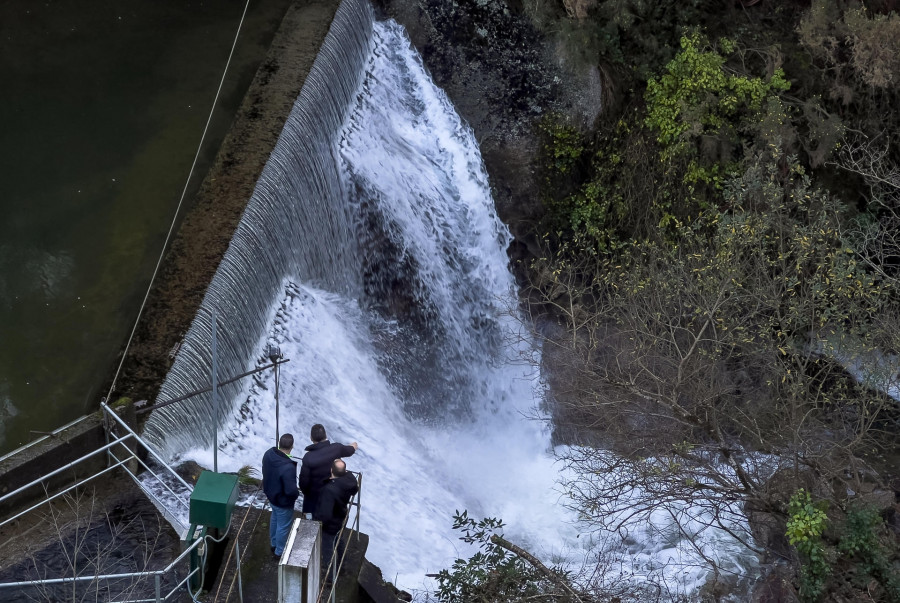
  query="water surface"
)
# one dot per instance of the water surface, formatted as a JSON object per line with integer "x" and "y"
{"x": 103, "y": 104}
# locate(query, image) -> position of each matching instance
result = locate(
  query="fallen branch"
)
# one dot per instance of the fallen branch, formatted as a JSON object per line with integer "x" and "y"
{"x": 536, "y": 564}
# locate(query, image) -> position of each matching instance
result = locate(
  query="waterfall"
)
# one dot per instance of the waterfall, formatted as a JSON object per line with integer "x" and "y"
{"x": 372, "y": 255}
{"x": 294, "y": 224}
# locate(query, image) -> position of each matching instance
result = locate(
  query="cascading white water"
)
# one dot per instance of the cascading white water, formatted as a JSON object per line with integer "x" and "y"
{"x": 295, "y": 224}
{"x": 397, "y": 324}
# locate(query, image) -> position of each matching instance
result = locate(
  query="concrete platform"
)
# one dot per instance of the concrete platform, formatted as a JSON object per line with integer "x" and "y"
{"x": 359, "y": 581}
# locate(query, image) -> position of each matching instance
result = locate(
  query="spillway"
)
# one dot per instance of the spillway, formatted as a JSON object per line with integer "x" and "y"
{"x": 372, "y": 255}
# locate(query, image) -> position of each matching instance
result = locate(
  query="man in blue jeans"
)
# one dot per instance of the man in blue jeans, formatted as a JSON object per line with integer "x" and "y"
{"x": 280, "y": 485}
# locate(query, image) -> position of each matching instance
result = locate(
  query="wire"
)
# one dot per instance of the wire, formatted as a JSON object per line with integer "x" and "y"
{"x": 231, "y": 550}
{"x": 180, "y": 202}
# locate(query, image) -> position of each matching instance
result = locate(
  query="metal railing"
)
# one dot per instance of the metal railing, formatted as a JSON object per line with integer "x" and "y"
{"x": 156, "y": 575}
{"x": 116, "y": 425}
{"x": 122, "y": 448}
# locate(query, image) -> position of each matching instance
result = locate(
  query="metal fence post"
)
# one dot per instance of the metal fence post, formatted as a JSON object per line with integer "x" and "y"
{"x": 237, "y": 554}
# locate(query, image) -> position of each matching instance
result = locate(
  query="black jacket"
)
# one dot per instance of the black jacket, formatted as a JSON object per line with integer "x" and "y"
{"x": 279, "y": 473}
{"x": 316, "y": 469}
{"x": 333, "y": 500}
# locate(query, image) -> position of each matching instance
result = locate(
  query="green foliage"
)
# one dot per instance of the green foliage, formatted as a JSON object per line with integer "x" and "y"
{"x": 563, "y": 146}
{"x": 637, "y": 35}
{"x": 806, "y": 522}
{"x": 248, "y": 475}
{"x": 492, "y": 574}
{"x": 863, "y": 541}
{"x": 861, "y": 545}
{"x": 698, "y": 97}
{"x": 121, "y": 402}
{"x": 713, "y": 198}
{"x": 612, "y": 188}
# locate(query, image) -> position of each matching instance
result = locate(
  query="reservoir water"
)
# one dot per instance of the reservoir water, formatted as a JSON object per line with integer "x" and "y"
{"x": 103, "y": 104}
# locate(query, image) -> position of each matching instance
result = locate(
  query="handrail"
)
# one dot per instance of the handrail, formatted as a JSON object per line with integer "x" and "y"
{"x": 118, "y": 419}
{"x": 158, "y": 478}
{"x": 355, "y": 501}
{"x": 61, "y": 469}
{"x": 148, "y": 574}
{"x": 115, "y": 462}
{"x": 49, "y": 498}
{"x": 47, "y": 436}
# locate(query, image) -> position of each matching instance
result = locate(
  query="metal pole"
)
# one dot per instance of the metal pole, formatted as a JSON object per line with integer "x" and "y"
{"x": 158, "y": 589}
{"x": 237, "y": 555}
{"x": 334, "y": 567}
{"x": 63, "y": 468}
{"x": 146, "y": 409}
{"x": 277, "y": 432}
{"x": 215, "y": 397}
{"x": 107, "y": 427}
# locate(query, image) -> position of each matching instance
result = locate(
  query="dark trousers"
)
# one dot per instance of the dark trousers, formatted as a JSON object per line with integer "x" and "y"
{"x": 330, "y": 542}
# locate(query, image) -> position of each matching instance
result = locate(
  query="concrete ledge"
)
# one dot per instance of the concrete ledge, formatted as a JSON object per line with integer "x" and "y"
{"x": 62, "y": 447}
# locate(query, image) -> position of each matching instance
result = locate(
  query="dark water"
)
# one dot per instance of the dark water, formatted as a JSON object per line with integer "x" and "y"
{"x": 102, "y": 105}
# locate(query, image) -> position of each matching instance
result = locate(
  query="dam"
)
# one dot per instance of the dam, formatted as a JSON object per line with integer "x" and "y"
{"x": 372, "y": 256}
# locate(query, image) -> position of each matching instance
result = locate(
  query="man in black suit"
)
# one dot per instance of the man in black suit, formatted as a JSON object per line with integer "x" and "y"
{"x": 316, "y": 466}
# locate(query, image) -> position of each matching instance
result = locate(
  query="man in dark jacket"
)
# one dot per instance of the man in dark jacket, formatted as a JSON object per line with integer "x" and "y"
{"x": 332, "y": 507}
{"x": 316, "y": 466}
{"x": 279, "y": 472}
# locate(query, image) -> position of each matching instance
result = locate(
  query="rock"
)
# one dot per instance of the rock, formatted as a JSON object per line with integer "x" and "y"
{"x": 374, "y": 585}
{"x": 189, "y": 471}
{"x": 880, "y": 500}
{"x": 775, "y": 587}
{"x": 769, "y": 533}
{"x": 579, "y": 9}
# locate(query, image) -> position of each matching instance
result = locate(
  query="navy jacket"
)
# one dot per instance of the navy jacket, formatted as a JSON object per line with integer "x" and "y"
{"x": 316, "y": 469}
{"x": 332, "y": 507}
{"x": 279, "y": 478}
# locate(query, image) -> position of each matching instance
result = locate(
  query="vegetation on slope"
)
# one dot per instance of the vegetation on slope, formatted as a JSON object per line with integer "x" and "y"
{"x": 719, "y": 283}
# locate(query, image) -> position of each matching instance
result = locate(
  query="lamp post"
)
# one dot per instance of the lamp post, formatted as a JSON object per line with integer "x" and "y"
{"x": 215, "y": 397}
{"x": 274, "y": 354}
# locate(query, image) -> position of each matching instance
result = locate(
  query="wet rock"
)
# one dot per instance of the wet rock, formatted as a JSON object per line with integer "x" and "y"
{"x": 880, "y": 500}
{"x": 502, "y": 77}
{"x": 769, "y": 533}
{"x": 189, "y": 471}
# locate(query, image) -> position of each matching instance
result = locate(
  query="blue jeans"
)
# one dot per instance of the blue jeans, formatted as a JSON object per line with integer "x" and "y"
{"x": 279, "y": 526}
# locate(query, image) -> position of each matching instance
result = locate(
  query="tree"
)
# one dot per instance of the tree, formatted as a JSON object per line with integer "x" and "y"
{"x": 713, "y": 361}
{"x": 503, "y": 572}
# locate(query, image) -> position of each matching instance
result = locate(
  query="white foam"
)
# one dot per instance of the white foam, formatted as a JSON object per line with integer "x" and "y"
{"x": 407, "y": 153}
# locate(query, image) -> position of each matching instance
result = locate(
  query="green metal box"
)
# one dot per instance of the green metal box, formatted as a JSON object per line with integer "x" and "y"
{"x": 213, "y": 498}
